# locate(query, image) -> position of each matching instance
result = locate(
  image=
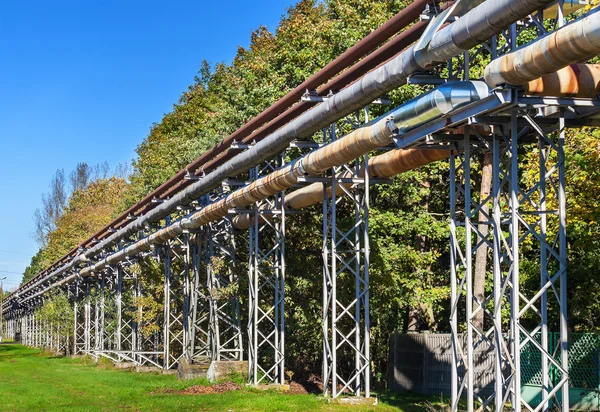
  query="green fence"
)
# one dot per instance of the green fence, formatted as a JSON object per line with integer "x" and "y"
{"x": 584, "y": 370}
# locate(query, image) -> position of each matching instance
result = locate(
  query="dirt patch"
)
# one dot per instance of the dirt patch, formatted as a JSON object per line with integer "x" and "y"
{"x": 312, "y": 385}
{"x": 201, "y": 390}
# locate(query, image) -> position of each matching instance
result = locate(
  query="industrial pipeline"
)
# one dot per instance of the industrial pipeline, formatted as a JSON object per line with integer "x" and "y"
{"x": 434, "y": 104}
{"x": 478, "y": 25}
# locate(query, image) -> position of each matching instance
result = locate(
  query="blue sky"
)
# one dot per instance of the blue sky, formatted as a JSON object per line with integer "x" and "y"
{"x": 83, "y": 81}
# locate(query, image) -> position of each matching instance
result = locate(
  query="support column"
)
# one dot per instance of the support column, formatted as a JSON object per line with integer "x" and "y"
{"x": 199, "y": 315}
{"x": 346, "y": 321}
{"x": 78, "y": 320}
{"x": 225, "y": 334}
{"x": 87, "y": 328}
{"x": 176, "y": 251}
{"x": 266, "y": 323}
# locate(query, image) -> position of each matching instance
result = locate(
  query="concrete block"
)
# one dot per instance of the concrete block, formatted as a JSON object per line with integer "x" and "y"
{"x": 356, "y": 400}
{"x": 272, "y": 386}
{"x": 222, "y": 369}
{"x": 147, "y": 369}
{"x": 124, "y": 365}
{"x": 187, "y": 369}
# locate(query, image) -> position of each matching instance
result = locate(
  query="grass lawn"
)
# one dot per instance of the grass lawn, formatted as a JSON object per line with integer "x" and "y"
{"x": 34, "y": 381}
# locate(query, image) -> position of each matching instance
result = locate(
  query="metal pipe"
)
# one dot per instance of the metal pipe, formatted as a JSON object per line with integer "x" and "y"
{"x": 369, "y": 43}
{"x": 575, "y": 42}
{"x": 475, "y": 27}
{"x": 378, "y": 133}
{"x": 576, "y": 80}
{"x": 386, "y": 165}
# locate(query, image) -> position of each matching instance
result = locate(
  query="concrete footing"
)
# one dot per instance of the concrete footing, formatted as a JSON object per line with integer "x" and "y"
{"x": 147, "y": 369}
{"x": 188, "y": 369}
{"x": 272, "y": 387}
{"x": 124, "y": 365}
{"x": 222, "y": 369}
{"x": 355, "y": 400}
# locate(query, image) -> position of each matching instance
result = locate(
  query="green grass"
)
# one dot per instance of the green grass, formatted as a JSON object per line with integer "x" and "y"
{"x": 31, "y": 380}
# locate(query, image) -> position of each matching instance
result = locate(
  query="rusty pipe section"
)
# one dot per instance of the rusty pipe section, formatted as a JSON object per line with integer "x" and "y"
{"x": 575, "y": 42}
{"x": 386, "y": 165}
{"x": 438, "y": 102}
{"x": 576, "y": 80}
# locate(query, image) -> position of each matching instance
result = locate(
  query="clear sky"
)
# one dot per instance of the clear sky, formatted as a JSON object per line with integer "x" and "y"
{"x": 83, "y": 81}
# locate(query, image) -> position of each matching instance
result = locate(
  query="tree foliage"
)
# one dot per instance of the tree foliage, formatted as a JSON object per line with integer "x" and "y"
{"x": 89, "y": 208}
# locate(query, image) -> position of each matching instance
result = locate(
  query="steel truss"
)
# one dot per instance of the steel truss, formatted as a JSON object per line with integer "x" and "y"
{"x": 176, "y": 261}
{"x": 533, "y": 215}
{"x": 147, "y": 348}
{"x": 79, "y": 316}
{"x": 346, "y": 321}
{"x": 219, "y": 255}
{"x": 266, "y": 280}
{"x": 198, "y": 343}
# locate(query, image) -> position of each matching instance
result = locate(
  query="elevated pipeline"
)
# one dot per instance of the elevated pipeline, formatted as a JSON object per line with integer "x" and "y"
{"x": 576, "y": 80}
{"x": 431, "y": 105}
{"x": 251, "y": 132}
{"x": 575, "y": 42}
{"x": 475, "y": 27}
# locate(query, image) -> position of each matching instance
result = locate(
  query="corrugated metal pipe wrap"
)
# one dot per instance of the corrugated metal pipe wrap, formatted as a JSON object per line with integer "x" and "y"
{"x": 575, "y": 42}
{"x": 576, "y": 80}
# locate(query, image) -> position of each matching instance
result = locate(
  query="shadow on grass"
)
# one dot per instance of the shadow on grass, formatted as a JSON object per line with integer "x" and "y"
{"x": 413, "y": 402}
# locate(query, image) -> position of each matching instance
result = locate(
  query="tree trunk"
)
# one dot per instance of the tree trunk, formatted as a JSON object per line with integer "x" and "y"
{"x": 412, "y": 319}
{"x": 481, "y": 254}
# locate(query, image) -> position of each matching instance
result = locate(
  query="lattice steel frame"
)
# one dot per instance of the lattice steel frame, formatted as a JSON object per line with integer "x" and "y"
{"x": 225, "y": 332}
{"x": 79, "y": 345}
{"x": 266, "y": 275}
{"x": 346, "y": 250}
{"x": 175, "y": 297}
{"x": 518, "y": 215}
{"x": 199, "y": 340}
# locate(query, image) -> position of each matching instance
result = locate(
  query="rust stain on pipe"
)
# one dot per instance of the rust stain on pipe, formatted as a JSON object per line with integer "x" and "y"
{"x": 386, "y": 165}
{"x": 576, "y": 80}
{"x": 575, "y": 42}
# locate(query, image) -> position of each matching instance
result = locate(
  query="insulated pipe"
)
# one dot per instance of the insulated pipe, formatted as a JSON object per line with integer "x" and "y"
{"x": 438, "y": 102}
{"x": 348, "y": 76}
{"x": 575, "y": 42}
{"x": 576, "y": 80}
{"x": 386, "y": 165}
{"x": 369, "y": 43}
{"x": 431, "y": 105}
{"x": 475, "y": 27}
